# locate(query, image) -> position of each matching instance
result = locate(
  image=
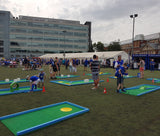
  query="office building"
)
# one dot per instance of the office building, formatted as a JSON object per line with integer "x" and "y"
{"x": 34, "y": 36}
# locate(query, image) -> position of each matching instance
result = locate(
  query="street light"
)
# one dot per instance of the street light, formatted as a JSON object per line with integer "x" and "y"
{"x": 64, "y": 43}
{"x": 133, "y": 16}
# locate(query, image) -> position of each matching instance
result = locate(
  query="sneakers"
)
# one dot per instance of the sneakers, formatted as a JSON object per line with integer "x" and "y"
{"x": 94, "y": 88}
{"x": 123, "y": 90}
{"x": 117, "y": 91}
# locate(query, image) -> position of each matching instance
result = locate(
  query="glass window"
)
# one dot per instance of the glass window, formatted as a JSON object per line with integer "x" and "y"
{"x": 1, "y": 49}
{"x": 50, "y": 45}
{"x": 18, "y": 30}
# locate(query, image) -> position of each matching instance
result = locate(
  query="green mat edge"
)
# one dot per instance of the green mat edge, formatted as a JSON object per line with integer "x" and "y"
{"x": 56, "y": 82}
{"x": 158, "y": 87}
{"x": 47, "y": 123}
{"x": 16, "y": 91}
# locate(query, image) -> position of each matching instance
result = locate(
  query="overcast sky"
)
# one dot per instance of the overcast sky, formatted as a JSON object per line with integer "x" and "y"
{"x": 110, "y": 18}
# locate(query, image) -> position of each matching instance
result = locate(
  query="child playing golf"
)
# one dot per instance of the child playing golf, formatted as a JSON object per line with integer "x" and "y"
{"x": 120, "y": 71}
{"x": 34, "y": 80}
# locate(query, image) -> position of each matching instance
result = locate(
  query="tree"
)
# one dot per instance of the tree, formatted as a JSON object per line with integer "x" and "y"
{"x": 114, "y": 46}
{"x": 98, "y": 46}
{"x": 91, "y": 48}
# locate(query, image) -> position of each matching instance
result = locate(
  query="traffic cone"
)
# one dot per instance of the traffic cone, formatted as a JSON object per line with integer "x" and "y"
{"x": 104, "y": 91}
{"x": 84, "y": 74}
{"x": 153, "y": 80}
{"x": 43, "y": 90}
{"x": 107, "y": 80}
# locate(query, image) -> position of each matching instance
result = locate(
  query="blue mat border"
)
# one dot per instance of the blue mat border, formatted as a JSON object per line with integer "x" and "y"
{"x": 11, "y": 81}
{"x": 134, "y": 87}
{"x": 47, "y": 123}
{"x": 56, "y": 82}
{"x": 113, "y": 77}
{"x": 16, "y": 92}
{"x": 99, "y": 74}
{"x": 59, "y": 77}
{"x": 155, "y": 79}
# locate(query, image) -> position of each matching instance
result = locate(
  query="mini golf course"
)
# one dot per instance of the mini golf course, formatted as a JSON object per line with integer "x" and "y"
{"x": 100, "y": 74}
{"x": 114, "y": 77}
{"x": 24, "y": 89}
{"x": 66, "y": 76}
{"x": 72, "y": 83}
{"x": 141, "y": 89}
{"x": 27, "y": 121}
{"x": 2, "y": 82}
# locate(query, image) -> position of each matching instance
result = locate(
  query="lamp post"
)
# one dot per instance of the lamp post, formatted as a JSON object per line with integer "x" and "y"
{"x": 133, "y": 16}
{"x": 64, "y": 43}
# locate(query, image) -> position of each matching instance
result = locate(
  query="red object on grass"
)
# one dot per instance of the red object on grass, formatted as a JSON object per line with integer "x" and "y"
{"x": 104, "y": 91}
{"x": 107, "y": 80}
{"x": 84, "y": 74}
{"x": 153, "y": 80}
{"x": 43, "y": 90}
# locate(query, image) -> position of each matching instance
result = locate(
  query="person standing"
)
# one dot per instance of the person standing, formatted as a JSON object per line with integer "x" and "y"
{"x": 74, "y": 68}
{"x": 67, "y": 63}
{"x": 85, "y": 64}
{"x": 59, "y": 66}
{"x": 70, "y": 65}
{"x": 141, "y": 67}
{"x": 95, "y": 68}
{"x": 42, "y": 77}
{"x": 55, "y": 70}
{"x": 120, "y": 72}
{"x": 152, "y": 64}
{"x": 119, "y": 62}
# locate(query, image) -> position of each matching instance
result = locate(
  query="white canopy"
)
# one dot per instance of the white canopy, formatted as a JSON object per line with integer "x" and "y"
{"x": 88, "y": 55}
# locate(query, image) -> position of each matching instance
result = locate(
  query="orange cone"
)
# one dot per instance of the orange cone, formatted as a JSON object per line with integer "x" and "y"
{"x": 104, "y": 91}
{"x": 84, "y": 74}
{"x": 107, "y": 80}
{"x": 153, "y": 80}
{"x": 43, "y": 90}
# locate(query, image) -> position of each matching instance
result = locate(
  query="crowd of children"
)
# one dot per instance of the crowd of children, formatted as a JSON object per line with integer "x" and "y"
{"x": 55, "y": 69}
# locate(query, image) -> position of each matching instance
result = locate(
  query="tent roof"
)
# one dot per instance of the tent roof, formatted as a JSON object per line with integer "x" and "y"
{"x": 106, "y": 55}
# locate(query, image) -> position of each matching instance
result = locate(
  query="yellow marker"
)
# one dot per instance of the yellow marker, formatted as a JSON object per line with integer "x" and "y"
{"x": 101, "y": 73}
{"x": 68, "y": 83}
{"x": 60, "y": 81}
{"x": 66, "y": 109}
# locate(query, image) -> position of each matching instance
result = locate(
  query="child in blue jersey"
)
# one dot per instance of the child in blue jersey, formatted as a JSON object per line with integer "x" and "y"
{"x": 119, "y": 62}
{"x": 34, "y": 80}
{"x": 74, "y": 68}
{"x": 85, "y": 64}
{"x": 42, "y": 76}
{"x": 152, "y": 64}
{"x": 120, "y": 72}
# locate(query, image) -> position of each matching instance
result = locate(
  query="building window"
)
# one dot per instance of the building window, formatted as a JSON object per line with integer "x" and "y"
{"x": 1, "y": 49}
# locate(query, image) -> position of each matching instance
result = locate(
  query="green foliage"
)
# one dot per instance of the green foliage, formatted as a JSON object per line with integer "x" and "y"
{"x": 99, "y": 46}
{"x": 114, "y": 46}
{"x": 91, "y": 49}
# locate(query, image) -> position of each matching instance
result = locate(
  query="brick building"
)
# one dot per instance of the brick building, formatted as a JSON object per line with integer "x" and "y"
{"x": 149, "y": 44}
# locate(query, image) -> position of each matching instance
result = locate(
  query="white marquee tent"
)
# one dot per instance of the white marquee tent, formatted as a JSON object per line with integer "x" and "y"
{"x": 88, "y": 55}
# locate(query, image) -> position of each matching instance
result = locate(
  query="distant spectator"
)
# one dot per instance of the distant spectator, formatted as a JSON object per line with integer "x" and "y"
{"x": 85, "y": 64}
{"x": 152, "y": 64}
{"x": 141, "y": 67}
{"x": 95, "y": 68}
